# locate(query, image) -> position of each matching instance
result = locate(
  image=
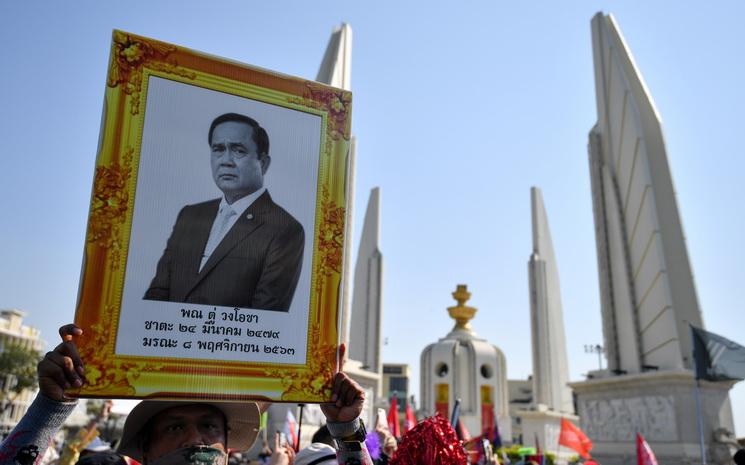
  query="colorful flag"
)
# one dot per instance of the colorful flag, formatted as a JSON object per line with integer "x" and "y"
{"x": 290, "y": 430}
{"x": 717, "y": 358}
{"x": 462, "y": 431}
{"x": 539, "y": 457}
{"x": 474, "y": 451}
{"x": 573, "y": 437}
{"x": 644, "y": 454}
{"x": 496, "y": 438}
{"x": 410, "y": 419}
{"x": 393, "y": 417}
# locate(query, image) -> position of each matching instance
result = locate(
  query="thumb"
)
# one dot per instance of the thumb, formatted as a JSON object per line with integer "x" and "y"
{"x": 341, "y": 352}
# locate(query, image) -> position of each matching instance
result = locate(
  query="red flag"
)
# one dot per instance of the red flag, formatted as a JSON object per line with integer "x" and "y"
{"x": 573, "y": 437}
{"x": 644, "y": 454}
{"x": 474, "y": 449}
{"x": 393, "y": 418}
{"x": 462, "y": 431}
{"x": 410, "y": 420}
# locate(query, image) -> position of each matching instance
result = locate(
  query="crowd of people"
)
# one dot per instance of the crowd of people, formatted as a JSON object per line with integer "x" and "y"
{"x": 204, "y": 432}
{"x": 173, "y": 432}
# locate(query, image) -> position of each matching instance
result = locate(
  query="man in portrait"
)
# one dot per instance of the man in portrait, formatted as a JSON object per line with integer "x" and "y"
{"x": 241, "y": 250}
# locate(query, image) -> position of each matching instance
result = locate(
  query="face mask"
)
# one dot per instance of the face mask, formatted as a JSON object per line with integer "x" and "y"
{"x": 198, "y": 455}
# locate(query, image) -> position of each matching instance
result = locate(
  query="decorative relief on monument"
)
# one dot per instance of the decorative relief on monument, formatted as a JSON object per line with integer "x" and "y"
{"x": 619, "y": 419}
{"x": 551, "y": 432}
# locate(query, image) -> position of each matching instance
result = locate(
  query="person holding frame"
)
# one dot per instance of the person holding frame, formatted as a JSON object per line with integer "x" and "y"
{"x": 190, "y": 265}
{"x": 183, "y": 432}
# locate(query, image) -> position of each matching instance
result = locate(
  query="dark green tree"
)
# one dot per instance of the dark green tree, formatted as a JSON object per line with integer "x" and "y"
{"x": 17, "y": 372}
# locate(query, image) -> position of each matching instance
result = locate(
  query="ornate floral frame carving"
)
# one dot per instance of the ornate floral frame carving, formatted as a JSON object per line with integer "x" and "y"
{"x": 133, "y": 59}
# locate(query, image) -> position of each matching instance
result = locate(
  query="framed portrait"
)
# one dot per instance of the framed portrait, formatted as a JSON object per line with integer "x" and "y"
{"x": 214, "y": 251}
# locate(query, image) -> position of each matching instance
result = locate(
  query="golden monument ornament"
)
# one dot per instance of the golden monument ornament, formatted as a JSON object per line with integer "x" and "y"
{"x": 462, "y": 313}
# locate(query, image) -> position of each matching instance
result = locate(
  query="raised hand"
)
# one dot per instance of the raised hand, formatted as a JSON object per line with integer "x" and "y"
{"x": 62, "y": 368}
{"x": 347, "y": 397}
{"x": 283, "y": 454}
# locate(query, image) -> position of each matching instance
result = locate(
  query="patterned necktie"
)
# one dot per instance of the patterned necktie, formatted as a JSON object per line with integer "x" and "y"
{"x": 219, "y": 229}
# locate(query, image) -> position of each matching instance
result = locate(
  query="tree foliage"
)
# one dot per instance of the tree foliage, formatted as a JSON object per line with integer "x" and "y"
{"x": 17, "y": 369}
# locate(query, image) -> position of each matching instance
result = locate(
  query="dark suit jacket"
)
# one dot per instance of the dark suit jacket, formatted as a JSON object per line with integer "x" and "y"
{"x": 257, "y": 264}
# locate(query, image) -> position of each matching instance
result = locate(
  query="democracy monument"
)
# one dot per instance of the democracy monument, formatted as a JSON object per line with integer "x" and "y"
{"x": 648, "y": 302}
{"x": 647, "y": 295}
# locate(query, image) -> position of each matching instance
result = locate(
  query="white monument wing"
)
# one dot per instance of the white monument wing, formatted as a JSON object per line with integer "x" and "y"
{"x": 647, "y": 290}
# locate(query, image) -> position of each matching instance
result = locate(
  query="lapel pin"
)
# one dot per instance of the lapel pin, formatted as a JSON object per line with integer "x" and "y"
{"x": 250, "y": 216}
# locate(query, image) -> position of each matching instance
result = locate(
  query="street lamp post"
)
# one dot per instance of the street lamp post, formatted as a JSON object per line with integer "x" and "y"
{"x": 596, "y": 349}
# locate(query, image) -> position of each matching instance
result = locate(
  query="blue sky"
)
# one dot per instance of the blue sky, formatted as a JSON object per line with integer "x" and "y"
{"x": 458, "y": 112}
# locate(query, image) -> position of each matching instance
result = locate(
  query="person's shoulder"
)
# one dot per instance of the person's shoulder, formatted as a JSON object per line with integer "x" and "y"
{"x": 279, "y": 215}
{"x": 201, "y": 207}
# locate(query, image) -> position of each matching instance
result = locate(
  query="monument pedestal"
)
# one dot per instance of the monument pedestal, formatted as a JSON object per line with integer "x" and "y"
{"x": 371, "y": 384}
{"x": 545, "y": 425}
{"x": 660, "y": 405}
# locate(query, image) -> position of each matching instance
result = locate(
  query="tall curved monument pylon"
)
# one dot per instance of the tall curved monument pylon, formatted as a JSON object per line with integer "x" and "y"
{"x": 647, "y": 292}
{"x": 367, "y": 300}
{"x": 364, "y": 364}
{"x": 550, "y": 367}
{"x": 336, "y": 70}
{"x": 648, "y": 296}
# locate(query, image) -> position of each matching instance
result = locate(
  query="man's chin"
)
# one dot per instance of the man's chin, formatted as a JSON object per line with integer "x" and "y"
{"x": 227, "y": 183}
{"x": 232, "y": 189}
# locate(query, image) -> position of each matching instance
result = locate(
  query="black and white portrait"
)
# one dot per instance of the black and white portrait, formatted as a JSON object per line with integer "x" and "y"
{"x": 224, "y": 211}
{"x": 239, "y": 250}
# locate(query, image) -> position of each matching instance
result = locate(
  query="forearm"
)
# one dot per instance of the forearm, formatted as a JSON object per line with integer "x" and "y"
{"x": 361, "y": 457}
{"x": 30, "y": 438}
{"x": 351, "y": 448}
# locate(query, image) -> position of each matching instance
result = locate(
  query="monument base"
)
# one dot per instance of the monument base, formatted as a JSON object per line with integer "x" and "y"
{"x": 545, "y": 426}
{"x": 371, "y": 384}
{"x": 661, "y": 405}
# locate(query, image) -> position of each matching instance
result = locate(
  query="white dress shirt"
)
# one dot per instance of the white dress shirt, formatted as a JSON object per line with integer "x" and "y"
{"x": 226, "y": 217}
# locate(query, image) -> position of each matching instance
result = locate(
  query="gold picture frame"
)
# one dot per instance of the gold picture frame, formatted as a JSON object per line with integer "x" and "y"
{"x": 233, "y": 367}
